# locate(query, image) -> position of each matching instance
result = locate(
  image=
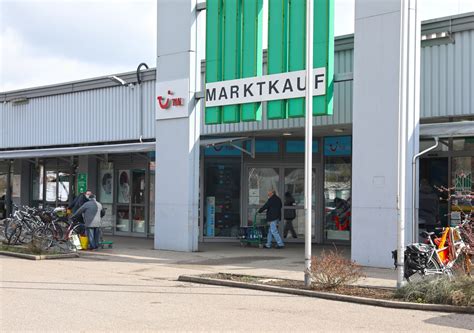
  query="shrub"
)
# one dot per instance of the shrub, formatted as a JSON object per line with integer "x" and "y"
{"x": 332, "y": 270}
{"x": 439, "y": 290}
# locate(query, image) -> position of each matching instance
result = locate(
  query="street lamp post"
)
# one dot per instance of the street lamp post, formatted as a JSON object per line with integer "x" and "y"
{"x": 308, "y": 142}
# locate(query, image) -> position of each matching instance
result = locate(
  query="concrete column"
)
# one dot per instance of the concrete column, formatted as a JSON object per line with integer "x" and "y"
{"x": 180, "y": 26}
{"x": 22, "y": 173}
{"x": 386, "y": 95}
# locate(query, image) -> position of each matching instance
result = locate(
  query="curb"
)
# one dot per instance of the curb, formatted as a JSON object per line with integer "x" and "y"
{"x": 329, "y": 296}
{"x": 39, "y": 257}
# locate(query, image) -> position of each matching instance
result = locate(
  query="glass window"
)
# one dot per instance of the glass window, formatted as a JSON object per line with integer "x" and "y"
{"x": 123, "y": 192}
{"x": 260, "y": 181}
{"x": 38, "y": 183}
{"x": 297, "y": 146}
{"x": 337, "y": 197}
{"x": 138, "y": 216}
{"x": 265, "y": 146}
{"x": 51, "y": 185}
{"x": 463, "y": 185}
{"x": 425, "y": 144}
{"x": 222, "y": 199}
{"x": 138, "y": 181}
{"x": 294, "y": 221}
{"x": 123, "y": 219}
{"x": 109, "y": 218}
{"x": 3, "y": 185}
{"x": 63, "y": 190}
{"x": 294, "y": 185}
{"x": 106, "y": 183}
{"x": 463, "y": 144}
{"x": 338, "y": 146}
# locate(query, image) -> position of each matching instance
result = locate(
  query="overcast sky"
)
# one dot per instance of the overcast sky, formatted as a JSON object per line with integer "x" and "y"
{"x": 48, "y": 42}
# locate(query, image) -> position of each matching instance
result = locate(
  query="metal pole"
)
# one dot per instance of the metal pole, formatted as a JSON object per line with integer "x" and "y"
{"x": 308, "y": 141}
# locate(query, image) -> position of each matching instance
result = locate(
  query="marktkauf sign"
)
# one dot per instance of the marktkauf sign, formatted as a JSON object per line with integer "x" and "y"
{"x": 264, "y": 88}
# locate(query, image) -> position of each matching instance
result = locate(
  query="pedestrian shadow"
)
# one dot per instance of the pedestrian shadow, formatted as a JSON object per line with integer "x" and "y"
{"x": 453, "y": 320}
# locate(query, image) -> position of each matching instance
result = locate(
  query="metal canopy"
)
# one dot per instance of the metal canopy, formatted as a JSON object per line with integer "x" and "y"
{"x": 447, "y": 130}
{"x": 231, "y": 142}
{"x": 76, "y": 151}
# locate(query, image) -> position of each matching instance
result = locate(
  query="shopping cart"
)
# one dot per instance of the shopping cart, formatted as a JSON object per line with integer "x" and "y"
{"x": 104, "y": 243}
{"x": 254, "y": 234}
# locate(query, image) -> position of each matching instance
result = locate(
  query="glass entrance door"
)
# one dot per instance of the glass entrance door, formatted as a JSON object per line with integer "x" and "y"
{"x": 288, "y": 182}
{"x": 260, "y": 181}
{"x": 293, "y": 225}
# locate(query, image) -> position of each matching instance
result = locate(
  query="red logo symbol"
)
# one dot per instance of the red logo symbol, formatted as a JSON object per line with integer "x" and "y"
{"x": 166, "y": 103}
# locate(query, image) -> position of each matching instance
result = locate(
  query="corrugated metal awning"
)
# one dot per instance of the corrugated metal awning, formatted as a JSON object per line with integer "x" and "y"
{"x": 447, "y": 130}
{"x": 76, "y": 151}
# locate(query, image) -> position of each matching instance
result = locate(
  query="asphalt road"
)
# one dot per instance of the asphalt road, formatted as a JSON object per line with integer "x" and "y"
{"x": 98, "y": 294}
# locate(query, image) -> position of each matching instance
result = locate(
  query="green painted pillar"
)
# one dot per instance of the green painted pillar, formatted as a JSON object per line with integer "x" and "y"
{"x": 323, "y": 55}
{"x": 277, "y": 50}
{"x": 214, "y": 26}
{"x": 231, "y": 53}
{"x": 252, "y": 12}
{"x": 297, "y": 50}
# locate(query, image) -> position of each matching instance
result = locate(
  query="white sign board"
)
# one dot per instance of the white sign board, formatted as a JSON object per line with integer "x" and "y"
{"x": 264, "y": 88}
{"x": 172, "y": 98}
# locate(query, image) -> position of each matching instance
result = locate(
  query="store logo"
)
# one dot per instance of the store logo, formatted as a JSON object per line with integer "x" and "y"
{"x": 166, "y": 103}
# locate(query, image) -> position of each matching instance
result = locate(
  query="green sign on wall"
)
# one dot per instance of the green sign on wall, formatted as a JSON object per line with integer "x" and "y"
{"x": 81, "y": 182}
{"x": 234, "y": 51}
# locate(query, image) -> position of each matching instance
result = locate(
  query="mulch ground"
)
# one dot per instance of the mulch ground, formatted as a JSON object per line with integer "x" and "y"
{"x": 369, "y": 292}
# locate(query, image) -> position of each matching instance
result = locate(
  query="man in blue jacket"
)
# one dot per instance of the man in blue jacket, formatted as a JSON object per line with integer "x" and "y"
{"x": 273, "y": 207}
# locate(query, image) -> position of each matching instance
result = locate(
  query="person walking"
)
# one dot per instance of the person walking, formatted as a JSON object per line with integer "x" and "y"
{"x": 289, "y": 215}
{"x": 91, "y": 211}
{"x": 273, "y": 208}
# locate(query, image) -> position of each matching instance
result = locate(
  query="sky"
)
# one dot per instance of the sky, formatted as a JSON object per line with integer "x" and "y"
{"x": 47, "y": 42}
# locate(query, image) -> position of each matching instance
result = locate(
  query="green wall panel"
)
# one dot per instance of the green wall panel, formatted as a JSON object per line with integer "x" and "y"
{"x": 277, "y": 50}
{"x": 252, "y": 12}
{"x": 214, "y": 17}
{"x": 232, "y": 53}
{"x": 324, "y": 53}
{"x": 296, "y": 50}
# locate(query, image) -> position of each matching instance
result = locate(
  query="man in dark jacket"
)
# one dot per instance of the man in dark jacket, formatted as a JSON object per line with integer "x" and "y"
{"x": 91, "y": 213}
{"x": 273, "y": 208}
{"x": 81, "y": 199}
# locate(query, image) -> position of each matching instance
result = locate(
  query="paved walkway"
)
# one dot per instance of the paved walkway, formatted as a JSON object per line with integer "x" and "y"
{"x": 231, "y": 258}
{"x": 133, "y": 288}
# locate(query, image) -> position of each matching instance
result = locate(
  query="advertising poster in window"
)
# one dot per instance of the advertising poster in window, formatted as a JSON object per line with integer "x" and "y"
{"x": 124, "y": 186}
{"x": 106, "y": 185}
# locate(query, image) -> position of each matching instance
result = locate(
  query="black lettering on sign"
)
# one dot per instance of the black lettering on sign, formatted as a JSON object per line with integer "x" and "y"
{"x": 300, "y": 88}
{"x": 271, "y": 86}
{"x": 260, "y": 85}
{"x": 234, "y": 90}
{"x": 223, "y": 94}
{"x": 210, "y": 94}
{"x": 247, "y": 90}
{"x": 287, "y": 86}
{"x": 318, "y": 78}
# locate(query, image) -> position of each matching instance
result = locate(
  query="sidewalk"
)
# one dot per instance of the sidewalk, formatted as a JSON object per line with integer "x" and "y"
{"x": 228, "y": 258}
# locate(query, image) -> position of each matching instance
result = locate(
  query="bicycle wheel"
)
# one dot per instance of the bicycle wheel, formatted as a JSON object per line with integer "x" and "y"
{"x": 432, "y": 269}
{"x": 13, "y": 232}
{"x": 43, "y": 237}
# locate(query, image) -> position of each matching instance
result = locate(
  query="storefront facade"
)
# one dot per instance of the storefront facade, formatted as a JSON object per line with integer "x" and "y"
{"x": 95, "y": 133}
